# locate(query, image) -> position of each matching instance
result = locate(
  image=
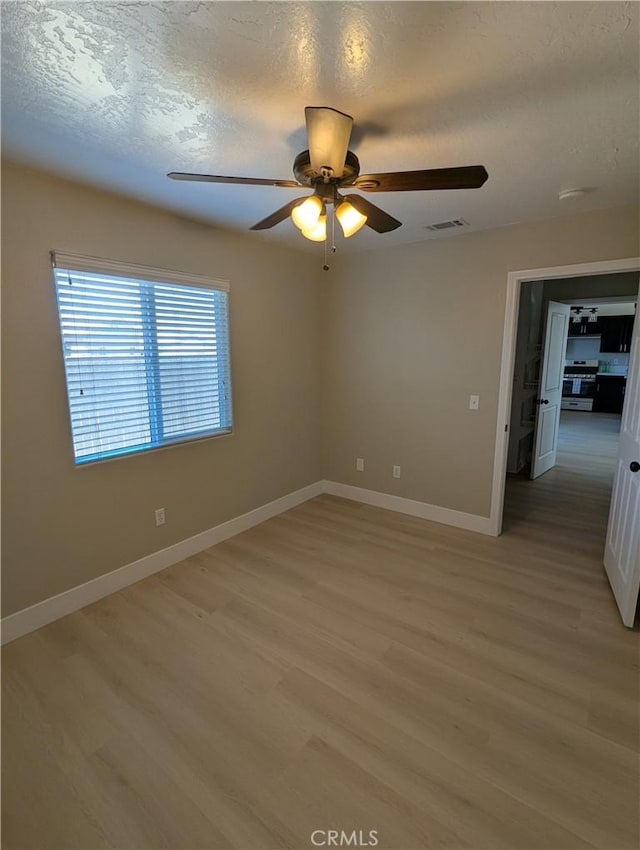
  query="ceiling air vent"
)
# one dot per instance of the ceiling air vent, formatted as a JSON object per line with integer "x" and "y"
{"x": 448, "y": 225}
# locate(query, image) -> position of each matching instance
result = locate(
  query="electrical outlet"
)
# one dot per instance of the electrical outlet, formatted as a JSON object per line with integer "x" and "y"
{"x": 474, "y": 402}
{"x": 160, "y": 516}
{"x": 360, "y": 464}
{"x": 396, "y": 472}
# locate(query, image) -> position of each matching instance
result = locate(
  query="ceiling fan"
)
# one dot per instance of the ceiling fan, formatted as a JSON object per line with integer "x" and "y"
{"x": 329, "y": 166}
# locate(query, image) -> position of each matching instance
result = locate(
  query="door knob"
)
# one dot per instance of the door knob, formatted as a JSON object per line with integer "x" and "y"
{"x": 543, "y": 401}
{"x": 634, "y": 466}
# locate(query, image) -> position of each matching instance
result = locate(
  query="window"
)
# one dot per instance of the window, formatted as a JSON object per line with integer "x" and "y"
{"x": 146, "y": 355}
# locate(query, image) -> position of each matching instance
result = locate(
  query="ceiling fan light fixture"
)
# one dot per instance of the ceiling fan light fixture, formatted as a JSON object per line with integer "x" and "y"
{"x": 307, "y": 214}
{"x": 328, "y": 166}
{"x": 317, "y": 233}
{"x": 328, "y": 133}
{"x": 351, "y": 220}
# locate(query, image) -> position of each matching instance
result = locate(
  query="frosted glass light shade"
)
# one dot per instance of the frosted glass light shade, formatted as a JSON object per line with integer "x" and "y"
{"x": 328, "y": 134}
{"x": 350, "y": 219}
{"x": 305, "y": 216}
{"x": 318, "y": 233}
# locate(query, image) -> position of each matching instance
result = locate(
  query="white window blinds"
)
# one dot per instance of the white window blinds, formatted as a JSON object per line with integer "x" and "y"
{"x": 146, "y": 355}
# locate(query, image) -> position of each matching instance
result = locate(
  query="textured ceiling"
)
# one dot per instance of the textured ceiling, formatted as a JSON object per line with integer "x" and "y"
{"x": 545, "y": 95}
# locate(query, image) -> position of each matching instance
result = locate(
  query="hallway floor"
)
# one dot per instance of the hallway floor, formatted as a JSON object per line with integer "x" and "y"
{"x": 569, "y": 504}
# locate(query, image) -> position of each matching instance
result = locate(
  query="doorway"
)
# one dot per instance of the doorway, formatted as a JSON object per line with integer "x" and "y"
{"x": 571, "y": 365}
{"x": 515, "y": 281}
{"x": 622, "y": 504}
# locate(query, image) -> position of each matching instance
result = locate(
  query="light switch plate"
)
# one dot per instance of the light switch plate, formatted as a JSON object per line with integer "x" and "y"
{"x": 474, "y": 402}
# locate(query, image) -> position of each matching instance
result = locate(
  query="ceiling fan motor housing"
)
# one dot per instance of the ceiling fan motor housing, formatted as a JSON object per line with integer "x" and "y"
{"x": 308, "y": 176}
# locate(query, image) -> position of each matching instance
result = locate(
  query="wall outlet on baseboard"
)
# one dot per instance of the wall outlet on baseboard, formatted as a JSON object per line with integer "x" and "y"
{"x": 160, "y": 516}
{"x": 396, "y": 472}
{"x": 360, "y": 464}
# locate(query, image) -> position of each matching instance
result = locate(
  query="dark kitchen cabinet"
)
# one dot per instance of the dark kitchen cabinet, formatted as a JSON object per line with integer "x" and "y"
{"x": 627, "y": 332}
{"x": 616, "y": 334}
{"x": 585, "y": 328}
{"x": 609, "y": 393}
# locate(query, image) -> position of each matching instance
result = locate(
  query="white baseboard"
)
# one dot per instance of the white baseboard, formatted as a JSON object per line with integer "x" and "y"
{"x": 446, "y": 516}
{"x": 42, "y": 613}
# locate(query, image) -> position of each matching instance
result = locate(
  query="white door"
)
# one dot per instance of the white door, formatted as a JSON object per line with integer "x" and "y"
{"x": 622, "y": 549}
{"x": 549, "y": 399}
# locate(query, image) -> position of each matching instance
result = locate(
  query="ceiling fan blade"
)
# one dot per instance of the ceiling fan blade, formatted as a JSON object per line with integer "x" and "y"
{"x": 248, "y": 181}
{"x": 277, "y": 216}
{"x": 465, "y": 177}
{"x": 328, "y": 134}
{"x": 377, "y": 219}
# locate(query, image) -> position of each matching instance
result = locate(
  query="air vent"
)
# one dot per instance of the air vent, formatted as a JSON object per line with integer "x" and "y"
{"x": 447, "y": 225}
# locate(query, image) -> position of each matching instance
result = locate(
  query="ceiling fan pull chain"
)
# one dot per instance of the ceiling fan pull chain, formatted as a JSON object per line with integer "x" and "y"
{"x": 333, "y": 240}
{"x": 333, "y": 228}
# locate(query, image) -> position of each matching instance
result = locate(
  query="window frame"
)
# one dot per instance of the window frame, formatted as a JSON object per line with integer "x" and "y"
{"x": 62, "y": 260}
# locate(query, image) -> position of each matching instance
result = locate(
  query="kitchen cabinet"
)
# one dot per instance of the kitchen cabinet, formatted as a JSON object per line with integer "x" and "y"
{"x": 609, "y": 393}
{"x": 616, "y": 334}
{"x": 585, "y": 328}
{"x": 627, "y": 332}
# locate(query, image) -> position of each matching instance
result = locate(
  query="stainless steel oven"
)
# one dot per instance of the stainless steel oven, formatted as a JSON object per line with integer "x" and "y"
{"x": 579, "y": 384}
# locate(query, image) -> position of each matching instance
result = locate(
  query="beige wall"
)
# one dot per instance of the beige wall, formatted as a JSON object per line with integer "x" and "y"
{"x": 375, "y": 360}
{"x": 63, "y": 526}
{"x": 411, "y": 332}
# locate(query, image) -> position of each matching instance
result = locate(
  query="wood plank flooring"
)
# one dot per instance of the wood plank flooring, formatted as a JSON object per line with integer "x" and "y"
{"x": 343, "y": 667}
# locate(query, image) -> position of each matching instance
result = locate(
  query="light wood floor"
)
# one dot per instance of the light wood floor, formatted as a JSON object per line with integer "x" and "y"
{"x": 343, "y": 667}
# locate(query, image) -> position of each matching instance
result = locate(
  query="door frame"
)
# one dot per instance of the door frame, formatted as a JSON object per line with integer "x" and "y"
{"x": 507, "y": 363}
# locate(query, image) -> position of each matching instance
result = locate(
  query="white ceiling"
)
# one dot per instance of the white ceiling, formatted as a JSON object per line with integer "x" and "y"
{"x": 545, "y": 95}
